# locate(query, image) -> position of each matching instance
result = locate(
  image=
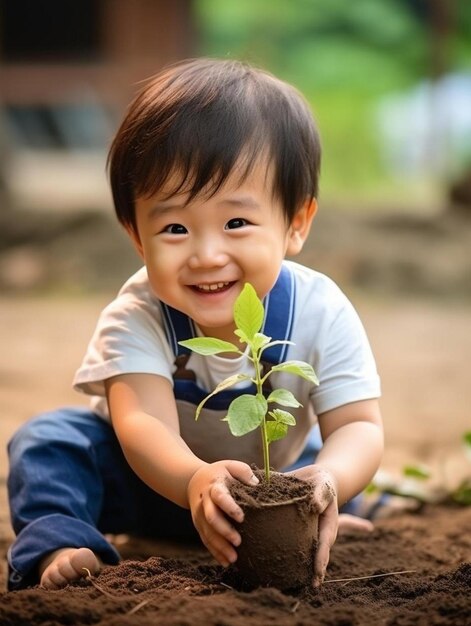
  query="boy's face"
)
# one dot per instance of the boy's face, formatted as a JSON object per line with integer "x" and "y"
{"x": 199, "y": 255}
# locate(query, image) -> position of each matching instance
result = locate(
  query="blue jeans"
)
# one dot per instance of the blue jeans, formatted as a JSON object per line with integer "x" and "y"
{"x": 69, "y": 483}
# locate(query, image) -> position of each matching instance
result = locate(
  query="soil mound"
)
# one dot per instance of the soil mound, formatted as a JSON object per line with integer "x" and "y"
{"x": 190, "y": 590}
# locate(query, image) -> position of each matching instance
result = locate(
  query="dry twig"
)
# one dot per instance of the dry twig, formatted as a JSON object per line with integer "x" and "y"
{"x": 227, "y": 586}
{"x": 295, "y": 607}
{"x": 347, "y": 580}
{"x": 89, "y": 577}
{"x": 139, "y": 606}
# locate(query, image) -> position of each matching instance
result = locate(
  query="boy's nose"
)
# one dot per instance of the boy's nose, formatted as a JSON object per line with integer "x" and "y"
{"x": 208, "y": 253}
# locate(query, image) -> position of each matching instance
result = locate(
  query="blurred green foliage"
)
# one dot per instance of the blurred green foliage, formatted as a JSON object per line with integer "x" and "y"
{"x": 344, "y": 56}
{"x": 332, "y": 45}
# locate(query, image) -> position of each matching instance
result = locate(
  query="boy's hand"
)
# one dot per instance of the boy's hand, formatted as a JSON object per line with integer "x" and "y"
{"x": 210, "y": 503}
{"x": 325, "y": 500}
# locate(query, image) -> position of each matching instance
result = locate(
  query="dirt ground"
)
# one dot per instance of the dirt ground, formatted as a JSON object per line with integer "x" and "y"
{"x": 422, "y": 346}
{"x": 433, "y": 587}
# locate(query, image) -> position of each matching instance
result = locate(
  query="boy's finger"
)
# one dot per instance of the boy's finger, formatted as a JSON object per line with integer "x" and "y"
{"x": 220, "y": 557}
{"x": 326, "y": 539}
{"x": 243, "y": 472}
{"x": 219, "y": 522}
{"x": 323, "y": 496}
{"x": 222, "y": 550}
{"x": 221, "y": 496}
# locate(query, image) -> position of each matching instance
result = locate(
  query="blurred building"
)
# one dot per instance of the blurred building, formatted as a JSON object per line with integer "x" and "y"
{"x": 68, "y": 68}
{"x": 426, "y": 130}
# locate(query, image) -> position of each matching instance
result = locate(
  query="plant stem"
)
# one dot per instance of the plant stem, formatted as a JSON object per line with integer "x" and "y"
{"x": 263, "y": 426}
{"x": 266, "y": 454}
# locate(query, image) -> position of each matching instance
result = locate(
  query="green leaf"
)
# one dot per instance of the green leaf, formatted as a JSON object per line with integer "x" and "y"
{"x": 276, "y": 430}
{"x": 246, "y": 414}
{"x": 248, "y": 311}
{"x": 283, "y": 397}
{"x": 208, "y": 345}
{"x": 416, "y": 471}
{"x": 242, "y": 336}
{"x": 259, "y": 341}
{"x": 284, "y": 417}
{"x": 462, "y": 493}
{"x": 298, "y": 368}
{"x": 370, "y": 489}
{"x": 277, "y": 343}
{"x": 225, "y": 384}
{"x": 467, "y": 444}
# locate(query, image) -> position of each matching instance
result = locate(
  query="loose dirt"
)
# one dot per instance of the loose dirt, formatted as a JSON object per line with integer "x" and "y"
{"x": 189, "y": 590}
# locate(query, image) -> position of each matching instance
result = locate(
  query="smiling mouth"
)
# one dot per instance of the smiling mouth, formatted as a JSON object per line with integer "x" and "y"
{"x": 212, "y": 287}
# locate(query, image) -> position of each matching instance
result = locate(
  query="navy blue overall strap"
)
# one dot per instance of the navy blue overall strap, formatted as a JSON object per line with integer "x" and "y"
{"x": 178, "y": 327}
{"x": 278, "y": 323}
{"x": 279, "y": 315}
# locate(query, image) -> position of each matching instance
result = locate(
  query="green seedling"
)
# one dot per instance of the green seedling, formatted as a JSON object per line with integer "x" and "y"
{"x": 462, "y": 494}
{"x": 415, "y": 483}
{"x": 250, "y": 411}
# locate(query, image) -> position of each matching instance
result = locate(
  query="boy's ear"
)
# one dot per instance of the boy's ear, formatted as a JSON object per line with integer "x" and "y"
{"x": 135, "y": 240}
{"x": 300, "y": 227}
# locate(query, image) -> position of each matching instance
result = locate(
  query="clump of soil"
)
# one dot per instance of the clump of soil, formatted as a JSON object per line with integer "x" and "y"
{"x": 280, "y": 488}
{"x": 279, "y": 532}
{"x": 191, "y": 591}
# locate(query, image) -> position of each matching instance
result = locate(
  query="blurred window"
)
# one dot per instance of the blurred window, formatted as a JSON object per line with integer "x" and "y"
{"x": 39, "y": 30}
{"x": 64, "y": 126}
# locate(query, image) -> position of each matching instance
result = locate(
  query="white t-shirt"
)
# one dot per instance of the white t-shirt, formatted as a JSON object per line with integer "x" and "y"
{"x": 133, "y": 336}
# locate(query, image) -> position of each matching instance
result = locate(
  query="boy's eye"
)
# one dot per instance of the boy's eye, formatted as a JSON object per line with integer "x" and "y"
{"x": 175, "y": 229}
{"x": 236, "y": 222}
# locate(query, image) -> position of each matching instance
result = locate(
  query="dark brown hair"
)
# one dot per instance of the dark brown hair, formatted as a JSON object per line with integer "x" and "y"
{"x": 198, "y": 118}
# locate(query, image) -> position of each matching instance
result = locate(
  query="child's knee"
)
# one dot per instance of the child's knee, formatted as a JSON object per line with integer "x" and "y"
{"x": 75, "y": 425}
{"x": 40, "y": 429}
{"x": 46, "y": 436}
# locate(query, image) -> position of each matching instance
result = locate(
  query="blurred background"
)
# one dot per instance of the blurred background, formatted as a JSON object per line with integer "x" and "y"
{"x": 389, "y": 82}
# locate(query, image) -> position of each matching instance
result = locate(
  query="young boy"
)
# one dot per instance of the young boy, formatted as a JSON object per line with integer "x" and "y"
{"x": 214, "y": 174}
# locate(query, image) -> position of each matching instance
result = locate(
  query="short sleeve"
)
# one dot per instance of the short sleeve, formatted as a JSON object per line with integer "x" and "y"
{"x": 345, "y": 364}
{"x": 128, "y": 339}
